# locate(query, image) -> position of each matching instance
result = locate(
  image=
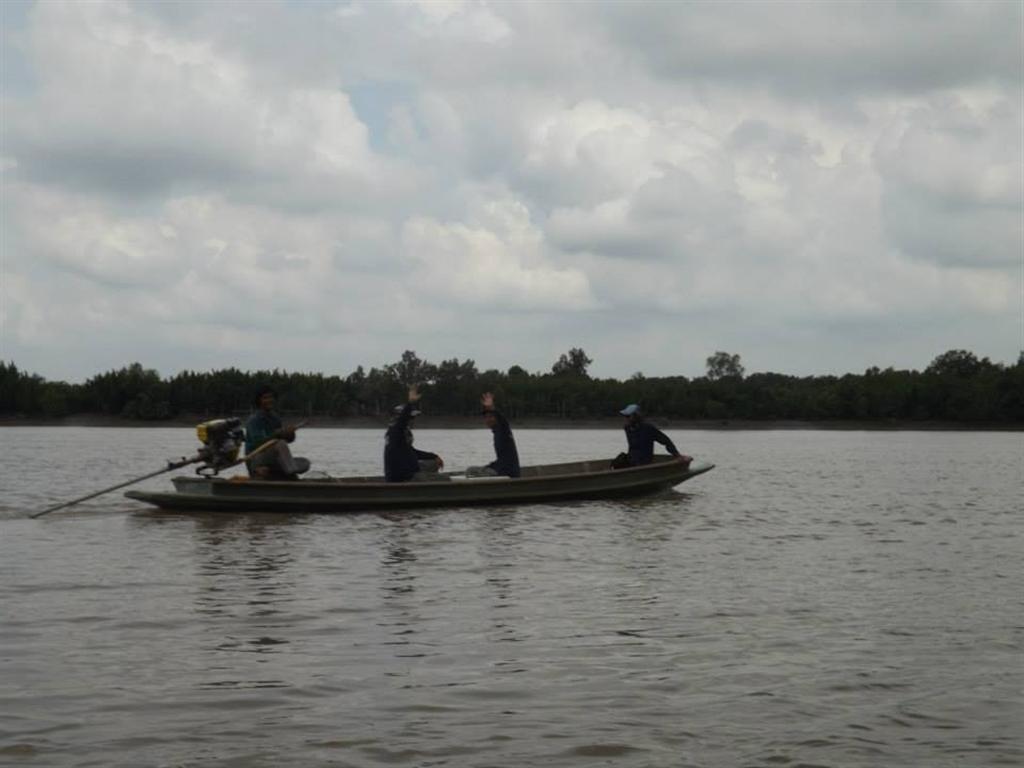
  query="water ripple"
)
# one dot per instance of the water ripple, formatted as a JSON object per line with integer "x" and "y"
{"x": 849, "y": 601}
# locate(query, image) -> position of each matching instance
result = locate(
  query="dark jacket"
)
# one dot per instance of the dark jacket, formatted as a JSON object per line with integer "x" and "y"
{"x": 642, "y": 437}
{"x": 401, "y": 460}
{"x": 262, "y": 426}
{"x": 507, "y": 462}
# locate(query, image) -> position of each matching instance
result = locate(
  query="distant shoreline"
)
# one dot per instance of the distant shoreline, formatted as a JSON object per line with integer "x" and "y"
{"x": 473, "y": 422}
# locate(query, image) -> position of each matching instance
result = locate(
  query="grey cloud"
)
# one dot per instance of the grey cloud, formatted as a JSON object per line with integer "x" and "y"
{"x": 128, "y": 106}
{"x": 962, "y": 235}
{"x": 755, "y": 134}
{"x": 125, "y": 172}
{"x": 831, "y": 51}
{"x": 670, "y": 217}
{"x": 952, "y": 185}
{"x": 779, "y": 180}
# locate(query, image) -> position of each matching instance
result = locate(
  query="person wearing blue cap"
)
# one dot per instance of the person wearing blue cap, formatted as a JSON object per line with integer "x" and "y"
{"x": 641, "y": 438}
{"x": 402, "y": 462}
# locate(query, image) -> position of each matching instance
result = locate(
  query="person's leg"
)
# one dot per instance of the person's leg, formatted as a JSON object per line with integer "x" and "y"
{"x": 428, "y": 465}
{"x": 621, "y": 461}
{"x": 289, "y": 466}
{"x": 429, "y": 472}
{"x": 277, "y": 463}
{"x": 261, "y": 466}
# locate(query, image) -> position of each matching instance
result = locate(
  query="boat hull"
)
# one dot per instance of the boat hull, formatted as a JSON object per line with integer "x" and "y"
{"x": 545, "y": 483}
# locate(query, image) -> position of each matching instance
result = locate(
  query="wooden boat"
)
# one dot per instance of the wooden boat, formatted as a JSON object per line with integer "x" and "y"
{"x": 591, "y": 479}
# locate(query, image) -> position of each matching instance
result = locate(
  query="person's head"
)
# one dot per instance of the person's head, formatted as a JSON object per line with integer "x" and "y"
{"x": 264, "y": 397}
{"x": 489, "y": 418}
{"x": 631, "y": 412}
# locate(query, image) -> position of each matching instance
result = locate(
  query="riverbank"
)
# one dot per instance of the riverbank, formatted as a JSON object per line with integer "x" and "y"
{"x": 427, "y": 421}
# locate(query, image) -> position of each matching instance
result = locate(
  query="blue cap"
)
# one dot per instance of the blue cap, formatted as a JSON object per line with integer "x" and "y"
{"x": 630, "y": 409}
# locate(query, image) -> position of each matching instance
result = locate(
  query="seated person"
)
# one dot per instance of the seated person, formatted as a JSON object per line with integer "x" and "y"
{"x": 402, "y": 462}
{"x": 641, "y": 438}
{"x": 275, "y": 462}
{"x": 507, "y": 463}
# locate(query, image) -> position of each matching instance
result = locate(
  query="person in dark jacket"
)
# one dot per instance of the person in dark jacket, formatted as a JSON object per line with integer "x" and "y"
{"x": 507, "y": 461}
{"x": 641, "y": 438}
{"x": 402, "y": 462}
{"x": 275, "y": 462}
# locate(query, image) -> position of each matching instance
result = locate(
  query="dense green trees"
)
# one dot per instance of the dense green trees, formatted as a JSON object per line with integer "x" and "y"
{"x": 722, "y": 364}
{"x": 572, "y": 363}
{"x": 956, "y": 387}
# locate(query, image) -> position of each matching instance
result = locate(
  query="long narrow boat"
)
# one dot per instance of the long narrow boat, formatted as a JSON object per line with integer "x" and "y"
{"x": 591, "y": 479}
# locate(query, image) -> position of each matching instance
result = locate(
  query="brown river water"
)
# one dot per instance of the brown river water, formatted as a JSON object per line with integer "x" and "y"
{"x": 818, "y": 599}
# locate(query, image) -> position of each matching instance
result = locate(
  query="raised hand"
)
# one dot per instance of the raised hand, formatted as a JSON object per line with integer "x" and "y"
{"x": 414, "y": 394}
{"x": 487, "y": 401}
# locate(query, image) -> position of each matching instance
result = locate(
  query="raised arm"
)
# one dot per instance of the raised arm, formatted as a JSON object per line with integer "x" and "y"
{"x": 401, "y": 423}
{"x": 487, "y": 404}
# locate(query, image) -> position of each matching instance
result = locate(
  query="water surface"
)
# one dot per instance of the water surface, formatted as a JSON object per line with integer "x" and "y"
{"x": 820, "y": 598}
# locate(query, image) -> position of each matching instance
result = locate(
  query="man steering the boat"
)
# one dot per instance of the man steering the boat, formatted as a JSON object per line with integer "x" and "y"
{"x": 402, "y": 462}
{"x": 641, "y": 438}
{"x": 275, "y": 461}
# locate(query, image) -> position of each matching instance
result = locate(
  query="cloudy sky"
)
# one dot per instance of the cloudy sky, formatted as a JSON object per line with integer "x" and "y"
{"x": 817, "y": 187}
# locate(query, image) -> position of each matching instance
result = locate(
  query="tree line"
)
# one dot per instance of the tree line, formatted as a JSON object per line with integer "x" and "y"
{"x": 957, "y": 386}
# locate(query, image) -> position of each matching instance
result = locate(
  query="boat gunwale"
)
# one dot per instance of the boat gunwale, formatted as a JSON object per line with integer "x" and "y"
{"x": 217, "y": 494}
{"x": 659, "y": 463}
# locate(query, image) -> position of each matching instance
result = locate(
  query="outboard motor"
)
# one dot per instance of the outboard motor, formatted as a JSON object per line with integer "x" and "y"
{"x": 222, "y": 439}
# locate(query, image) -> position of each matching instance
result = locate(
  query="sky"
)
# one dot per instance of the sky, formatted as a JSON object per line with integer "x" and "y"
{"x": 313, "y": 186}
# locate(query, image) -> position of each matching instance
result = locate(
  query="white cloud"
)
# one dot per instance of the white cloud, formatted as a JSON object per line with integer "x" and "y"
{"x": 193, "y": 183}
{"x": 953, "y": 184}
{"x": 592, "y": 152}
{"x": 497, "y": 263}
{"x": 129, "y": 106}
{"x": 457, "y": 20}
